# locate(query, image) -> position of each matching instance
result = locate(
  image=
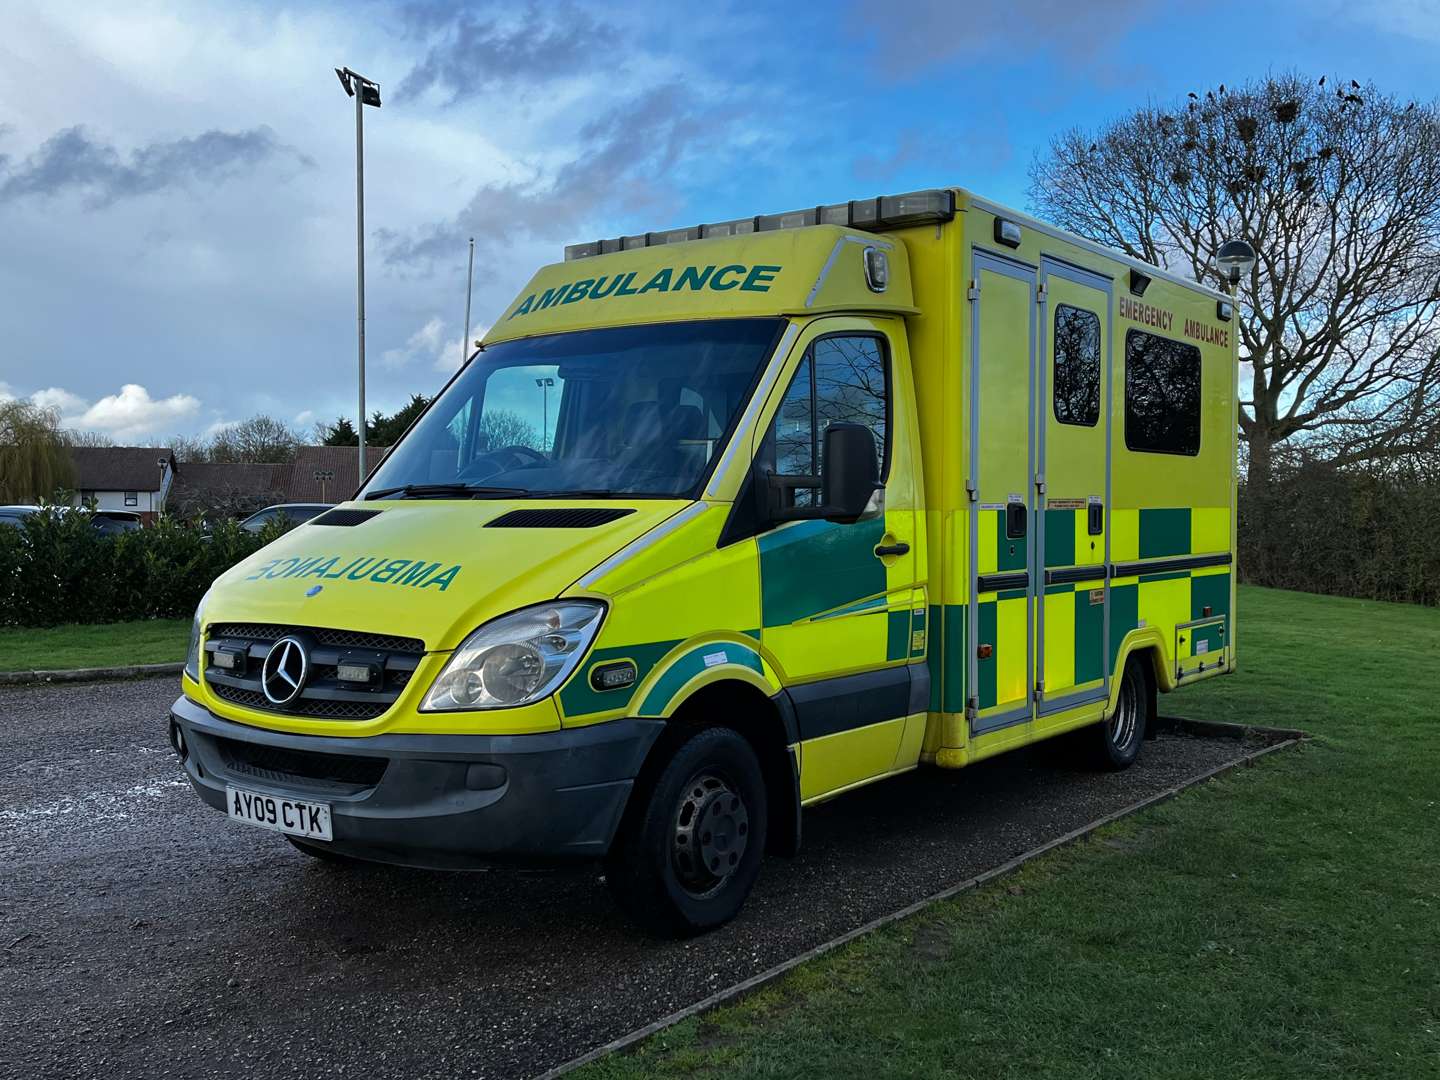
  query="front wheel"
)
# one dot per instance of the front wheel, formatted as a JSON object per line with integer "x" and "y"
{"x": 689, "y": 849}
{"x": 1116, "y": 742}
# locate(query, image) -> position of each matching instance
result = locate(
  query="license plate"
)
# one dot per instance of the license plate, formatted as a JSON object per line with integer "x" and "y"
{"x": 273, "y": 812}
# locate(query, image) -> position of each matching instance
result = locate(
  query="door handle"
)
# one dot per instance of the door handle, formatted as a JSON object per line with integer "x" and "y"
{"x": 886, "y": 550}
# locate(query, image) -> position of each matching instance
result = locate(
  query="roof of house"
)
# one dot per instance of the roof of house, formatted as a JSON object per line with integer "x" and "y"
{"x": 339, "y": 466}
{"x": 118, "y": 468}
{"x": 318, "y": 474}
{"x": 231, "y": 478}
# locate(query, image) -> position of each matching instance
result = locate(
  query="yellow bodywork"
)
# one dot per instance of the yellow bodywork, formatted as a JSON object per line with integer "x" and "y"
{"x": 770, "y": 612}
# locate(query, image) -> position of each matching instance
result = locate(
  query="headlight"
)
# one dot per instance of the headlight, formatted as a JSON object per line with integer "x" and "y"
{"x": 517, "y": 658}
{"x": 192, "y": 655}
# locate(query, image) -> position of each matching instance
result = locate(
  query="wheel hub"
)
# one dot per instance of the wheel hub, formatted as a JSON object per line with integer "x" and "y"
{"x": 1125, "y": 722}
{"x": 712, "y": 831}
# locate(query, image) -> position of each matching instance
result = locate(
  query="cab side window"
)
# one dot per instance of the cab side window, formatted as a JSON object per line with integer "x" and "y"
{"x": 842, "y": 379}
{"x": 1077, "y": 366}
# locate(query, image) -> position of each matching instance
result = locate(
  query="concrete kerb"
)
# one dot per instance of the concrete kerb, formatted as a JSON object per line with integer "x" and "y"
{"x": 1283, "y": 738}
{"x": 75, "y": 675}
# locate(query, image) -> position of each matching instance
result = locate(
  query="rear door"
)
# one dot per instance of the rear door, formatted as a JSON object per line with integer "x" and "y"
{"x": 1073, "y": 422}
{"x": 1002, "y": 493}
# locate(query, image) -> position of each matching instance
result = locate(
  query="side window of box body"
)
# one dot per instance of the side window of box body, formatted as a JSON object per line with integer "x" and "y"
{"x": 1162, "y": 395}
{"x": 1076, "y": 368}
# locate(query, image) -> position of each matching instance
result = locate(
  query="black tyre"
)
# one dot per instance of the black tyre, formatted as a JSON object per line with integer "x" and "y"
{"x": 323, "y": 852}
{"x": 1115, "y": 743}
{"x": 689, "y": 848}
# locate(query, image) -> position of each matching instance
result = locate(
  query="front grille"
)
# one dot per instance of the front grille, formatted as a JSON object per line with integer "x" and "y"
{"x": 313, "y": 708}
{"x": 323, "y": 696}
{"x": 340, "y": 639}
{"x": 281, "y": 763}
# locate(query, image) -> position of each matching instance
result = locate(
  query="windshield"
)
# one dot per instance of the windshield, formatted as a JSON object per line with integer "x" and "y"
{"x": 635, "y": 410}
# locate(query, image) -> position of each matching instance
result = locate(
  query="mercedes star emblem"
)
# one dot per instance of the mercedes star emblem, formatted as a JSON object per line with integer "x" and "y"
{"x": 283, "y": 674}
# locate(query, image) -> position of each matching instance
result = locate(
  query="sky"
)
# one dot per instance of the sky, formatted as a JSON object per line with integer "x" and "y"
{"x": 177, "y": 185}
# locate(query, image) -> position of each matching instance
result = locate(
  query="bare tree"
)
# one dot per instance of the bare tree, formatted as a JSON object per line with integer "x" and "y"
{"x": 1338, "y": 188}
{"x": 259, "y": 439}
{"x": 188, "y": 448}
{"x": 504, "y": 427}
{"x": 86, "y": 438}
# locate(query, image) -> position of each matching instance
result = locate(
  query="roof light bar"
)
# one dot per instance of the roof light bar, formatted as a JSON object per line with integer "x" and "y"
{"x": 885, "y": 212}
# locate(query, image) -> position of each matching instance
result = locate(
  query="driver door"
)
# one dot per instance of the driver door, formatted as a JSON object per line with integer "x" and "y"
{"x": 837, "y": 598}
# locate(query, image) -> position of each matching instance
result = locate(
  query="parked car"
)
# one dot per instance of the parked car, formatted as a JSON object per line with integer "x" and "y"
{"x": 111, "y": 522}
{"x": 293, "y": 513}
{"x": 106, "y": 522}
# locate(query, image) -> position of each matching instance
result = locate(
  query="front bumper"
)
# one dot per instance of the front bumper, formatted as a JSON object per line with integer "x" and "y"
{"x": 440, "y": 801}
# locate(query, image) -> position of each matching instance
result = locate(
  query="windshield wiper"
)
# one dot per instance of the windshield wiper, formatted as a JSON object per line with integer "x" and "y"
{"x": 446, "y": 491}
{"x": 583, "y": 493}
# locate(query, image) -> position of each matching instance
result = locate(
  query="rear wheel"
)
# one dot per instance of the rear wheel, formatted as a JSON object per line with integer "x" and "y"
{"x": 688, "y": 851}
{"x": 1116, "y": 742}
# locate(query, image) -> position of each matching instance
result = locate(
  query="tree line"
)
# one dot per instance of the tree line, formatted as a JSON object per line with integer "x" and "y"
{"x": 35, "y": 464}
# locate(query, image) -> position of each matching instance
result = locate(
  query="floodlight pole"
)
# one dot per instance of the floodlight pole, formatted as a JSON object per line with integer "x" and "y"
{"x": 360, "y": 262}
{"x": 469, "y": 291}
{"x": 357, "y": 85}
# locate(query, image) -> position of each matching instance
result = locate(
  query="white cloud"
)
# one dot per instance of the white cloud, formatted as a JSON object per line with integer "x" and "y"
{"x": 7, "y": 392}
{"x": 304, "y": 418}
{"x": 423, "y": 342}
{"x": 435, "y": 344}
{"x": 53, "y": 397}
{"x": 1417, "y": 19}
{"x": 130, "y": 414}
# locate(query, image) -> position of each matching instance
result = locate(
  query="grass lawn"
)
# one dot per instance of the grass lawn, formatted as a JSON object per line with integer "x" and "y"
{"x": 1283, "y": 921}
{"x": 146, "y": 641}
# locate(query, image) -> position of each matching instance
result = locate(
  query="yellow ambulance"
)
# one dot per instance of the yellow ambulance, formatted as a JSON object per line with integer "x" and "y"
{"x": 724, "y": 521}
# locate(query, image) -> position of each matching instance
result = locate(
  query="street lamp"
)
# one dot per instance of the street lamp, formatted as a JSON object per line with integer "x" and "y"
{"x": 323, "y": 475}
{"x": 545, "y": 385}
{"x": 365, "y": 92}
{"x": 1236, "y": 258}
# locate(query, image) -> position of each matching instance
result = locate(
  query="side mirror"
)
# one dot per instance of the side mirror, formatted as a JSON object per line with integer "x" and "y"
{"x": 850, "y": 473}
{"x": 848, "y": 478}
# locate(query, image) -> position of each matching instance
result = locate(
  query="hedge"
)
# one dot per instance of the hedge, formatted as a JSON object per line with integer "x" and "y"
{"x": 59, "y": 569}
{"x": 1346, "y": 532}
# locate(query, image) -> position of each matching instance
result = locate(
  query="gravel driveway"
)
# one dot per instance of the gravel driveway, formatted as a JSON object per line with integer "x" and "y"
{"x": 142, "y": 934}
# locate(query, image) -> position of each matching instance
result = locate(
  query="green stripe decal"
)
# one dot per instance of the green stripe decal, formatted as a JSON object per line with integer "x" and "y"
{"x": 871, "y": 604}
{"x": 1009, "y": 554}
{"x": 1059, "y": 537}
{"x": 897, "y": 635}
{"x": 817, "y": 566}
{"x": 1164, "y": 532}
{"x": 986, "y": 682}
{"x": 695, "y": 661}
{"x": 935, "y": 658}
{"x": 957, "y": 630}
{"x": 579, "y": 698}
{"x": 1124, "y": 616}
{"x": 1212, "y": 591}
{"x": 1089, "y": 638}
